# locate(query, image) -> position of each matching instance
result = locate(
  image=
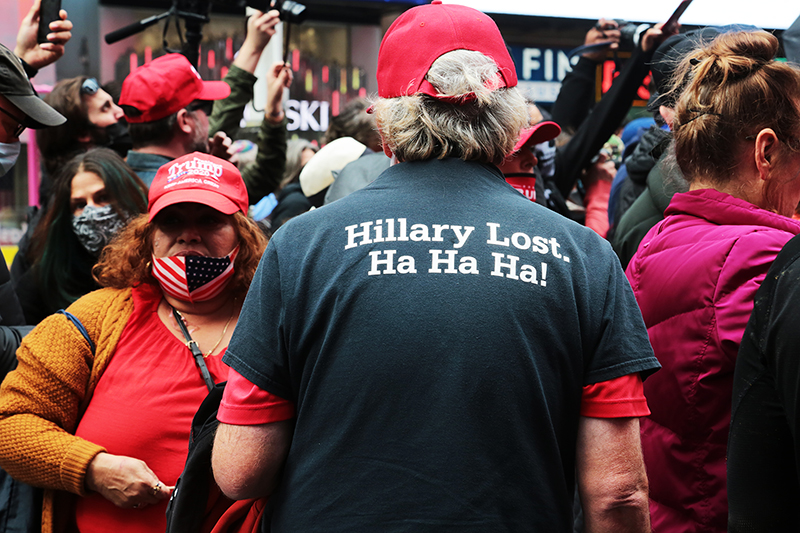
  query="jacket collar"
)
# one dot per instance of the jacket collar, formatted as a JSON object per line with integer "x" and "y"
{"x": 726, "y": 210}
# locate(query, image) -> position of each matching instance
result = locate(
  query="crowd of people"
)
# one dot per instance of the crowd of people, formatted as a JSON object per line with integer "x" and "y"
{"x": 462, "y": 312}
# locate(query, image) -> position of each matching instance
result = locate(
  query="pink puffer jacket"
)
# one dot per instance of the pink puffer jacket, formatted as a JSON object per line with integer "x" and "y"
{"x": 695, "y": 275}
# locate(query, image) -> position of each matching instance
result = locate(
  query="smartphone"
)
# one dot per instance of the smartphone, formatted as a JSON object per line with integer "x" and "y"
{"x": 672, "y": 21}
{"x": 48, "y": 12}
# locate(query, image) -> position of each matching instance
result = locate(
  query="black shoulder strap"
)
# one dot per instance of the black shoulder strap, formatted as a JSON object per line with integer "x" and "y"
{"x": 193, "y": 486}
{"x": 78, "y": 324}
{"x": 198, "y": 355}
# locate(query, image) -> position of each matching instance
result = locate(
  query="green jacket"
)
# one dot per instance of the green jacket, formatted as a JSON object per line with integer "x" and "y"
{"x": 265, "y": 174}
{"x": 663, "y": 181}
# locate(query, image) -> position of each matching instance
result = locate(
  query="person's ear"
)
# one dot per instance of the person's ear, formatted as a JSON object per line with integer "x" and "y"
{"x": 385, "y": 147}
{"x": 668, "y": 114}
{"x": 185, "y": 122}
{"x": 766, "y": 147}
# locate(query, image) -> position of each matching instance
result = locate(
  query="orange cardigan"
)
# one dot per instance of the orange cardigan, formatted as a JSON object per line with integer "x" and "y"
{"x": 42, "y": 401}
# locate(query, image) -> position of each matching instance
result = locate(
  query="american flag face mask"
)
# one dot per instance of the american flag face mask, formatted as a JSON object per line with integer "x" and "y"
{"x": 194, "y": 278}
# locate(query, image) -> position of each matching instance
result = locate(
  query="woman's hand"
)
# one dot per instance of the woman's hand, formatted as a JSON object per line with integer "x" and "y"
{"x": 260, "y": 29}
{"x": 125, "y": 481}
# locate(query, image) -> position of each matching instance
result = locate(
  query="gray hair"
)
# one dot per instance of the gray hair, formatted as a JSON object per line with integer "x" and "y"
{"x": 294, "y": 151}
{"x": 420, "y": 127}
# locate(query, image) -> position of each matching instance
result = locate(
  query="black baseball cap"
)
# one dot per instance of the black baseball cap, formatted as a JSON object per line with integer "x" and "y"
{"x": 15, "y": 85}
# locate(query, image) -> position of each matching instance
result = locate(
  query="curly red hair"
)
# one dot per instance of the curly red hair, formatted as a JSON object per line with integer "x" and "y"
{"x": 125, "y": 262}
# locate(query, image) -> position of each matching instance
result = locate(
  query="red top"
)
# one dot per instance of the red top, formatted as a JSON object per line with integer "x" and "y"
{"x": 143, "y": 407}
{"x": 244, "y": 404}
{"x": 616, "y": 398}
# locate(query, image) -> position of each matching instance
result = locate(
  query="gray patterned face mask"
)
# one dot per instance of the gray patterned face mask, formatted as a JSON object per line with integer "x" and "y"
{"x": 96, "y": 226}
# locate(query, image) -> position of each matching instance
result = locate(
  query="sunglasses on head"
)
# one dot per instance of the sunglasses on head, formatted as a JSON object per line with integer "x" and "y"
{"x": 89, "y": 86}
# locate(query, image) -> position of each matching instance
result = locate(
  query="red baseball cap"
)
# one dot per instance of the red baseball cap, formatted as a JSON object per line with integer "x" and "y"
{"x": 198, "y": 178}
{"x": 165, "y": 86}
{"x": 423, "y": 33}
{"x": 541, "y": 132}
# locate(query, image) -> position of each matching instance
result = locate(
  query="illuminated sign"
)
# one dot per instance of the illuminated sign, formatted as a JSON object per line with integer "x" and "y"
{"x": 540, "y": 71}
{"x": 608, "y": 71}
{"x": 304, "y": 115}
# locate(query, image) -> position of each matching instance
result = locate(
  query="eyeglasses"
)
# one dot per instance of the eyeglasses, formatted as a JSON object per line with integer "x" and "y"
{"x": 204, "y": 105}
{"x": 20, "y": 127}
{"x": 89, "y": 86}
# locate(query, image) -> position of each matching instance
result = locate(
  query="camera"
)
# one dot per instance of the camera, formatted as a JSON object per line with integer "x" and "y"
{"x": 288, "y": 10}
{"x": 629, "y": 34}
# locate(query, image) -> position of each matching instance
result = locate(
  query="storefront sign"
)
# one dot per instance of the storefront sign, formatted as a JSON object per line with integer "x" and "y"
{"x": 304, "y": 115}
{"x": 540, "y": 71}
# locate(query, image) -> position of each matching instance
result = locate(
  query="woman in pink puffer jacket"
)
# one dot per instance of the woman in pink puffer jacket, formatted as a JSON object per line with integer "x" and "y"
{"x": 736, "y": 129}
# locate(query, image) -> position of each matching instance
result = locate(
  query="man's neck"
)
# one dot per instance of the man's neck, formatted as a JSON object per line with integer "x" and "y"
{"x": 171, "y": 151}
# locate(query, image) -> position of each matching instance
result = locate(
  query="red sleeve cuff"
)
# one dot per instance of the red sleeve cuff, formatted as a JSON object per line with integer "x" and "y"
{"x": 596, "y": 202}
{"x": 621, "y": 397}
{"x": 244, "y": 404}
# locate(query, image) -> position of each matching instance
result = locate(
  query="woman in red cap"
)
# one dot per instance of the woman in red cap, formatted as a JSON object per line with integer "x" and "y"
{"x": 101, "y": 417}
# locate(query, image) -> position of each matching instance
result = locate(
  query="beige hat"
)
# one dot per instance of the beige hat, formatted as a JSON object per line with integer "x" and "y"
{"x": 318, "y": 172}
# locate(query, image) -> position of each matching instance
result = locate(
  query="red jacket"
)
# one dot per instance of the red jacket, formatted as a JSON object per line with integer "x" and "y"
{"x": 695, "y": 275}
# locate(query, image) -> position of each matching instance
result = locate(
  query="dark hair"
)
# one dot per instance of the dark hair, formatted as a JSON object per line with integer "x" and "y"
{"x": 62, "y": 265}
{"x": 61, "y": 143}
{"x": 735, "y": 89}
{"x": 159, "y": 131}
{"x": 126, "y": 261}
{"x": 354, "y": 121}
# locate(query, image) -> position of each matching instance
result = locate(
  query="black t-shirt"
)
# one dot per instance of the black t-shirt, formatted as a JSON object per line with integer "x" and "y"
{"x": 763, "y": 451}
{"x": 435, "y": 330}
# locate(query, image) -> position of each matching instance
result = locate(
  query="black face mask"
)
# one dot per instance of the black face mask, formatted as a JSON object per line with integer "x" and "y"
{"x": 116, "y": 136}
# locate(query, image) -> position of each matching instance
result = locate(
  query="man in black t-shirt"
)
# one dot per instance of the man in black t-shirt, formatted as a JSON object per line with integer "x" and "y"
{"x": 763, "y": 445}
{"x": 435, "y": 352}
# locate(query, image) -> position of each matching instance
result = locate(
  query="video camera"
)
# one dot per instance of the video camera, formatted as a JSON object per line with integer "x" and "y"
{"x": 195, "y": 13}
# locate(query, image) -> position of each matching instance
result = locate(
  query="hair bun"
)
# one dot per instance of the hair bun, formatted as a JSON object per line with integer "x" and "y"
{"x": 737, "y": 55}
{"x": 729, "y": 89}
{"x": 758, "y": 45}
